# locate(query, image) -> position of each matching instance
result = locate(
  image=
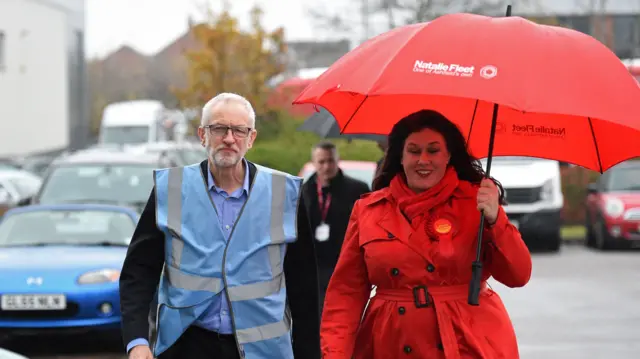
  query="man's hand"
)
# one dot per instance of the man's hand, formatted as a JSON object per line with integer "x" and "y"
{"x": 140, "y": 352}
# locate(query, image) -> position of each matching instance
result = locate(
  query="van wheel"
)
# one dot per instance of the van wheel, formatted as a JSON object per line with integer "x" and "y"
{"x": 554, "y": 244}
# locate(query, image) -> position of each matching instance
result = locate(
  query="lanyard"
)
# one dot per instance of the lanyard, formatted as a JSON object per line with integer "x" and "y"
{"x": 324, "y": 209}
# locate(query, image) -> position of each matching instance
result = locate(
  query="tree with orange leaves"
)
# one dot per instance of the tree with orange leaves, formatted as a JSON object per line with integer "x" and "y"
{"x": 229, "y": 59}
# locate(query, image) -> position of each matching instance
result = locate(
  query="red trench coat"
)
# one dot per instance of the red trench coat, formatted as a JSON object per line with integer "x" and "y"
{"x": 379, "y": 250}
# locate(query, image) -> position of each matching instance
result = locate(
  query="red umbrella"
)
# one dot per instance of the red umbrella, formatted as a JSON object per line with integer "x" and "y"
{"x": 541, "y": 91}
{"x": 558, "y": 89}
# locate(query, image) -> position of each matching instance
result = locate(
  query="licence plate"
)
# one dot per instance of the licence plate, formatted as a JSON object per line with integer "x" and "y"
{"x": 515, "y": 223}
{"x": 33, "y": 302}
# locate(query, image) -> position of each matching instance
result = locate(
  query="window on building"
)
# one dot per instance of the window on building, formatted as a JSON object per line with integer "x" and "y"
{"x": 580, "y": 23}
{"x": 626, "y": 30}
{"x": 2, "y": 51}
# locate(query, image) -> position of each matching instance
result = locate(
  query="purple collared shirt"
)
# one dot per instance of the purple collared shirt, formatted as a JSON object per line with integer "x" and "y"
{"x": 217, "y": 317}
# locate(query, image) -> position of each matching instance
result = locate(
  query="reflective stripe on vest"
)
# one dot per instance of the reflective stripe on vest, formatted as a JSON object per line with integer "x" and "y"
{"x": 181, "y": 280}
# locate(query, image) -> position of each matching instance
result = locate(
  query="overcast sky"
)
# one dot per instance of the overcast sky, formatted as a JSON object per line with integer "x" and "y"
{"x": 149, "y": 25}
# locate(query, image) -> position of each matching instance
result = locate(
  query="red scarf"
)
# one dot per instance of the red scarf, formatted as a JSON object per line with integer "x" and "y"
{"x": 416, "y": 205}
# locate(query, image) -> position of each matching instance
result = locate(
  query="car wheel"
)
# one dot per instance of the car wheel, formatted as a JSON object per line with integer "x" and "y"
{"x": 601, "y": 236}
{"x": 589, "y": 241}
{"x": 554, "y": 243}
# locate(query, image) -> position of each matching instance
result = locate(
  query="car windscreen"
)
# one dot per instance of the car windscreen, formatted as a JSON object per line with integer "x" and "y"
{"x": 124, "y": 135}
{"x": 69, "y": 227}
{"x": 625, "y": 179}
{"x": 98, "y": 183}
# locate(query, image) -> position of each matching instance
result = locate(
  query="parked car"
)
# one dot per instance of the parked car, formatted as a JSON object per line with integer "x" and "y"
{"x": 9, "y": 164}
{"x": 361, "y": 170}
{"x": 5, "y": 354}
{"x": 37, "y": 164}
{"x": 182, "y": 153}
{"x": 633, "y": 65}
{"x": 613, "y": 208}
{"x": 17, "y": 186}
{"x": 60, "y": 266}
{"x": 101, "y": 176}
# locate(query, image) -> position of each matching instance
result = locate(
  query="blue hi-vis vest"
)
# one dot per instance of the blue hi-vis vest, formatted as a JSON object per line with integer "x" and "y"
{"x": 248, "y": 268}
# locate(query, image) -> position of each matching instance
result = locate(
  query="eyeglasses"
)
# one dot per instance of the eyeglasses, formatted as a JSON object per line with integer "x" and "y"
{"x": 221, "y": 130}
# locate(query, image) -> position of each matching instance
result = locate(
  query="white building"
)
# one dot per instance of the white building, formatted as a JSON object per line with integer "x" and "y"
{"x": 43, "y": 100}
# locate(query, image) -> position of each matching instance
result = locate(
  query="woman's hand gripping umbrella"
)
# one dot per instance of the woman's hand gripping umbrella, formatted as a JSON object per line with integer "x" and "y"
{"x": 537, "y": 90}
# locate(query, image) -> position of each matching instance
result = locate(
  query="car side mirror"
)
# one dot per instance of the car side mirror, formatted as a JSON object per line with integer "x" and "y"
{"x": 592, "y": 188}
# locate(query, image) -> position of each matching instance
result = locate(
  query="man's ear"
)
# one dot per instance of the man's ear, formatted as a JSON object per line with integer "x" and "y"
{"x": 201, "y": 135}
{"x": 252, "y": 138}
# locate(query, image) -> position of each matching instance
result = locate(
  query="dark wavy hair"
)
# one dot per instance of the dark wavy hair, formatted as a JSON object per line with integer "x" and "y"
{"x": 465, "y": 164}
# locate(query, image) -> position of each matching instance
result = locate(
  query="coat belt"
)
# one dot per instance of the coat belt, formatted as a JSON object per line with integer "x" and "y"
{"x": 431, "y": 296}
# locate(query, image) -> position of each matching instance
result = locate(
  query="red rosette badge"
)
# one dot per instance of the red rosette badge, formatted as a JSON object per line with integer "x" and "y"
{"x": 441, "y": 229}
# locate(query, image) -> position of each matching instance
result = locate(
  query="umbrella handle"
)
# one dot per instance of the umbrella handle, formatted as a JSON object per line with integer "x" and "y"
{"x": 476, "y": 269}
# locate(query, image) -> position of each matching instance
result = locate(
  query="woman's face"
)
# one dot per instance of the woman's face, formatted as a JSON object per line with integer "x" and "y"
{"x": 424, "y": 158}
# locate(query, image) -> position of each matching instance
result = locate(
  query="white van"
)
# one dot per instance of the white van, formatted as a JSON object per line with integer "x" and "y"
{"x": 132, "y": 122}
{"x": 534, "y": 198}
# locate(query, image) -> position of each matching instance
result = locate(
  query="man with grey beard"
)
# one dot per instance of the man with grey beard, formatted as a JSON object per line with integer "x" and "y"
{"x": 227, "y": 246}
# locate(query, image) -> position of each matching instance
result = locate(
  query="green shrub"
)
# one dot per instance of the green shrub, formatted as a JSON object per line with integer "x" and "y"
{"x": 279, "y": 145}
{"x": 574, "y": 188}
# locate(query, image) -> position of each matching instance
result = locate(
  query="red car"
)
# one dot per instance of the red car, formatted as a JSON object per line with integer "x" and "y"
{"x": 613, "y": 208}
{"x": 633, "y": 65}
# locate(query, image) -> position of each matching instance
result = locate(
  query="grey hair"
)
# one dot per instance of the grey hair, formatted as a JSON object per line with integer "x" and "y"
{"x": 227, "y": 97}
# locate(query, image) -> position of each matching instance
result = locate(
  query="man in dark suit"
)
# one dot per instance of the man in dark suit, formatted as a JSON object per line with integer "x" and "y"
{"x": 329, "y": 196}
{"x": 227, "y": 132}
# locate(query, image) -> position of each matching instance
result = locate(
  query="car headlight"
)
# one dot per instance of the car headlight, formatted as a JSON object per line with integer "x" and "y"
{"x": 546, "y": 193}
{"x": 99, "y": 276}
{"x": 614, "y": 207}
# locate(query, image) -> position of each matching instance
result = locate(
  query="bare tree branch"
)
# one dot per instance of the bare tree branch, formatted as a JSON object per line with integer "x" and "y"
{"x": 337, "y": 21}
{"x": 400, "y": 12}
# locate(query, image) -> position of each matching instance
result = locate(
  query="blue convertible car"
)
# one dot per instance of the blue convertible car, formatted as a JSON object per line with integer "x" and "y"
{"x": 60, "y": 265}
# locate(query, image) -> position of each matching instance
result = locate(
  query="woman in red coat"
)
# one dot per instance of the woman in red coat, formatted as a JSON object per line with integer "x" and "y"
{"x": 414, "y": 239}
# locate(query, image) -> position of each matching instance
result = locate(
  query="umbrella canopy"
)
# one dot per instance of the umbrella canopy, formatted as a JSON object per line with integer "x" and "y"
{"x": 563, "y": 95}
{"x": 324, "y": 125}
{"x": 512, "y": 86}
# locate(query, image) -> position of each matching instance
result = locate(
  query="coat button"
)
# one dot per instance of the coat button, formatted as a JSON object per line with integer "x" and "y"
{"x": 395, "y": 272}
{"x": 431, "y": 268}
{"x": 389, "y": 235}
{"x": 440, "y": 346}
{"x": 401, "y": 310}
{"x": 407, "y": 349}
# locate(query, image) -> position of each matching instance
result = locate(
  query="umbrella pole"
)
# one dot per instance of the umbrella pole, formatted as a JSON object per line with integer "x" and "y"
{"x": 476, "y": 267}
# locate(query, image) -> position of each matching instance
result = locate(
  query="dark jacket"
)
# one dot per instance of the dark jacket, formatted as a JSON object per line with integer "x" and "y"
{"x": 344, "y": 191}
{"x": 142, "y": 266}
